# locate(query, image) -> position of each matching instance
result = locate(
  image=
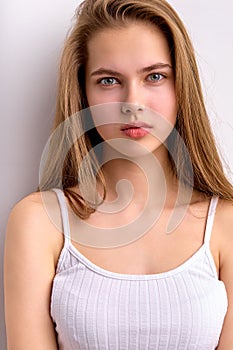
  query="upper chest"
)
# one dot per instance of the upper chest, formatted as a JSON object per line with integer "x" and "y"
{"x": 154, "y": 251}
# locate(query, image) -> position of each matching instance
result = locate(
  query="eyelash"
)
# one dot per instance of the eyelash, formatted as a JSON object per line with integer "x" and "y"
{"x": 158, "y": 74}
{"x": 100, "y": 81}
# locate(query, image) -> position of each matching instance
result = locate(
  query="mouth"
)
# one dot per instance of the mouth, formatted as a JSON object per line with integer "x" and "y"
{"x": 136, "y": 130}
{"x": 136, "y": 125}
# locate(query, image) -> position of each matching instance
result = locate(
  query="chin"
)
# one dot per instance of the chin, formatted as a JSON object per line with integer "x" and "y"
{"x": 132, "y": 149}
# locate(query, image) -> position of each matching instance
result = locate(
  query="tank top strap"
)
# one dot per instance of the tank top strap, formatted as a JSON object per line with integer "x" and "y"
{"x": 64, "y": 215}
{"x": 210, "y": 218}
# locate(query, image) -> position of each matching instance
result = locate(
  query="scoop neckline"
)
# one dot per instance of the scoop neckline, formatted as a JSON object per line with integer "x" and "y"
{"x": 107, "y": 273}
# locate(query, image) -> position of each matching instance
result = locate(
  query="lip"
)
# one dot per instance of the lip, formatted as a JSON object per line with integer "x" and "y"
{"x": 136, "y": 125}
{"x": 136, "y": 130}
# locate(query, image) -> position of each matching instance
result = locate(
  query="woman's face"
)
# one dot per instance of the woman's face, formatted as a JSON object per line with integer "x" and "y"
{"x": 129, "y": 76}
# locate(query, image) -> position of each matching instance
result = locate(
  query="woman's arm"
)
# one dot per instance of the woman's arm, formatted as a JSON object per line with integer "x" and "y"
{"x": 29, "y": 268}
{"x": 226, "y": 273}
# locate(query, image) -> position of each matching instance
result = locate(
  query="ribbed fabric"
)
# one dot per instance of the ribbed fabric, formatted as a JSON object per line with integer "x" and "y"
{"x": 93, "y": 308}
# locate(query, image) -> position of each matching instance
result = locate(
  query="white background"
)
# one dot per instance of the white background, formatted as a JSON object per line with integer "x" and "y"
{"x": 31, "y": 38}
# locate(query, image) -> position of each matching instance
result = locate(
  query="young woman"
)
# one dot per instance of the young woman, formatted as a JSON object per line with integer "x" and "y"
{"x": 130, "y": 247}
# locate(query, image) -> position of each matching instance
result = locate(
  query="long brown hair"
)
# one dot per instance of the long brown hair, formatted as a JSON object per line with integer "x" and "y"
{"x": 192, "y": 122}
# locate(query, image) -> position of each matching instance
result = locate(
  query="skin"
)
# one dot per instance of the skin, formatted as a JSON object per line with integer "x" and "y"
{"x": 34, "y": 242}
{"x": 138, "y": 75}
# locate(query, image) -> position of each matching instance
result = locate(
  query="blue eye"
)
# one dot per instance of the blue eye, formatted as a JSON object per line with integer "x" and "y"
{"x": 108, "y": 81}
{"x": 155, "y": 77}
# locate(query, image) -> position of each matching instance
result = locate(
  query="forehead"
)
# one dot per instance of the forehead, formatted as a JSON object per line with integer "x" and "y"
{"x": 136, "y": 44}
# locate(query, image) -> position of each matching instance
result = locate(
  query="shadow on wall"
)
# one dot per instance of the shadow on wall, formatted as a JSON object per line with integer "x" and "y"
{"x": 30, "y": 57}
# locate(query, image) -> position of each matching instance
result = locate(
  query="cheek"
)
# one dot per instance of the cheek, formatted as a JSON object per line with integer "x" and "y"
{"x": 105, "y": 132}
{"x": 106, "y": 118}
{"x": 95, "y": 95}
{"x": 165, "y": 105}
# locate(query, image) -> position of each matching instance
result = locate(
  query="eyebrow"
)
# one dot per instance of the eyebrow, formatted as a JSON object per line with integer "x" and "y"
{"x": 102, "y": 71}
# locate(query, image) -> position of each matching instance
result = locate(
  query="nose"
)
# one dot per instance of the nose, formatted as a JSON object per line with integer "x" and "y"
{"x": 131, "y": 108}
{"x": 131, "y": 105}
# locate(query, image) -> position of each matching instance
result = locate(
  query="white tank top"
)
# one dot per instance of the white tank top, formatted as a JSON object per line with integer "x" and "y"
{"x": 93, "y": 308}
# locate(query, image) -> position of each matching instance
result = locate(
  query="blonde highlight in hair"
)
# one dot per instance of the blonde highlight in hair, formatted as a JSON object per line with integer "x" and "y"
{"x": 192, "y": 124}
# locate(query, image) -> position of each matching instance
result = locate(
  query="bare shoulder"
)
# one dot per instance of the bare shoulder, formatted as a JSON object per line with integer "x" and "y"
{"x": 34, "y": 203}
{"x": 224, "y": 224}
{"x": 224, "y": 233}
{"x": 32, "y": 246}
{"x": 35, "y": 220}
{"x": 225, "y": 208}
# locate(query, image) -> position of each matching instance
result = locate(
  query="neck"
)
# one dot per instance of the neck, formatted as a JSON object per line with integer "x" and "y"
{"x": 146, "y": 178}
